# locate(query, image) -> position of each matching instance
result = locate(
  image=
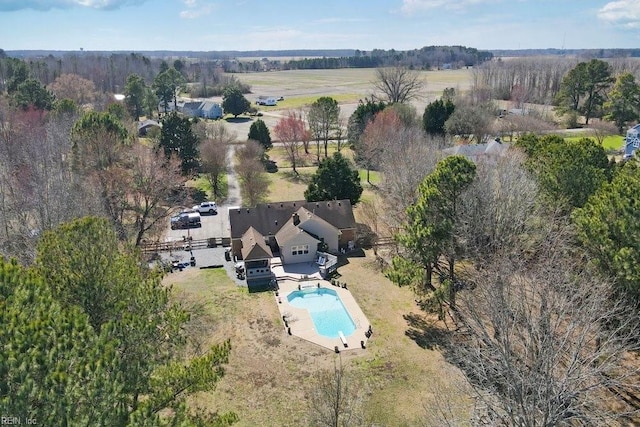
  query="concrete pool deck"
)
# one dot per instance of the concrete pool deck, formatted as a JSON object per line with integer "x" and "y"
{"x": 301, "y": 325}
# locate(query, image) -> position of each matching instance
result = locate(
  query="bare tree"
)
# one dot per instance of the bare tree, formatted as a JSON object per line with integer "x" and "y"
{"x": 398, "y": 84}
{"x": 600, "y": 129}
{"x": 213, "y": 155}
{"x": 500, "y": 206}
{"x": 378, "y": 133}
{"x": 407, "y": 159}
{"x": 151, "y": 180}
{"x": 541, "y": 341}
{"x": 335, "y": 399}
{"x": 251, "y": 174}
{"x": 73, "y": 87}
{"x": 291, "y": 131}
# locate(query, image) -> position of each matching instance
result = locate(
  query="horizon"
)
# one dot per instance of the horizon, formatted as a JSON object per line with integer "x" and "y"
{"x": 277, "y": 25}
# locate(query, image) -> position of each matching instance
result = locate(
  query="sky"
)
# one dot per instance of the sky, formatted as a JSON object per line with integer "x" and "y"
{"x": 216, "y": 25}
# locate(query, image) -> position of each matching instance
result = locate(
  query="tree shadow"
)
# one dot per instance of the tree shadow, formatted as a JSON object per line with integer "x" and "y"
{"x": 425, "y": 333}
{"x": 289, "y": 175}
{"x": 243, "y": 119}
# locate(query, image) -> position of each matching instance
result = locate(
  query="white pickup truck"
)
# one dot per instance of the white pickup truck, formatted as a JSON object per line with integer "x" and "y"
{"x": 206, "y": 208}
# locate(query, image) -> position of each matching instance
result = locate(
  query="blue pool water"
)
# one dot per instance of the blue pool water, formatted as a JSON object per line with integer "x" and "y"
{"x": 327, "y": 311}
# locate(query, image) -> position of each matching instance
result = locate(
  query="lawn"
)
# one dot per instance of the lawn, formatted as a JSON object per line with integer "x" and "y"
{"x": 610, "y": 143}
{"x": 268, "y": 376}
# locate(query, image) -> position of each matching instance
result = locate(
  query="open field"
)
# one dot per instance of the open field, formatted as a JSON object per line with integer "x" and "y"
{"x": 300, "y": 88}
{"x": 268, "y": 378}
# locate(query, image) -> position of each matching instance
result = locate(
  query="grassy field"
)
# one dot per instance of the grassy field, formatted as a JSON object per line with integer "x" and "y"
{"x": 267, "y": 380}
{"x": 610, "y": 143}
{"x": 354, "y": 83}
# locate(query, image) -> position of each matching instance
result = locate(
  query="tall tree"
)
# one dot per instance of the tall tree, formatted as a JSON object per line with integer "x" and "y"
{"x": 435, "y": 115}
{"x": 73, "y": 87}
{"x": 335, "y": 398}
{"x": 399, "y": 84}
{"x": 251, "y": 174}
{"x": 378, "y": 133}
{"x": 568, "y": 171}
{"x": 291, "y": 131}
{"x": 469, "y": 121}
{"x": 134, "y": 93}
{"x": 543, "y": 342}
{"x": 323, "y": 118}
{"x": 178, "y": 138}
{"x": 98, "y": 146}
{"x": 623, "y": 105}
{"x": 213, "y": 154}
{"x": 55, "y": 368}
{"x": 85, "y": 269}
{"x": 152, "y": 178}
{"x": 608, "y": 228}
{"x": 32, "y": 94}
{"x": 583, "y": 88}
{"x": 598, "y": 81}
{"x": 167, "y": 85}
{"x": 364, "y": 113}
{"x": 234, "y": 102}
{"x": 258, "y": 131}
{"x": 335, "y": 179}
{"x": 430, "y": 231}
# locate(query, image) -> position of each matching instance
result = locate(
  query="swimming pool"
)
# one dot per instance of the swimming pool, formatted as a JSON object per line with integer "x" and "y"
{"x": 327, "y": 311}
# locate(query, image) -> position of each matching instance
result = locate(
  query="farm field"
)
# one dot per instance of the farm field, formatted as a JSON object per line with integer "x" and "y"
{"x": 300, "y": 88}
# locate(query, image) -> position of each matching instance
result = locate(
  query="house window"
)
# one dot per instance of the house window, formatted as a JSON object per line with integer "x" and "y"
{"x": 299, "y": 250}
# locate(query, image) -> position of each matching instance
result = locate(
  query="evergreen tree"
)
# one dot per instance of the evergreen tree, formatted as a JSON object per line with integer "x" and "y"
{"x": 234, "y": 102}
{"x": 435, "y": 115}
{"x": 260, "y": 132}
{"x": 177, "y": 138}
{"x": 335, "y": 179}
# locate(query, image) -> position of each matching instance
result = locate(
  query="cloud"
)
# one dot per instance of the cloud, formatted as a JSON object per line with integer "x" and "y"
{"x": 42, "y": 5}
{"x": 623, "y": 13}
{"x": 195, "y": 10}
{"x": 409, "y": 7}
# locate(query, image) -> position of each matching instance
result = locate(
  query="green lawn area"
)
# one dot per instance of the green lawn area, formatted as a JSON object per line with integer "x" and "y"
{"x": 610, "y": 143}
{"x": 202, "y": 183}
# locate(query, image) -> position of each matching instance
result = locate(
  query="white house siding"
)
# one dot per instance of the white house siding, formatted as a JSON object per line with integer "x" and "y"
{"x": 299, "y": 240}
{"x": 322, "y": 229}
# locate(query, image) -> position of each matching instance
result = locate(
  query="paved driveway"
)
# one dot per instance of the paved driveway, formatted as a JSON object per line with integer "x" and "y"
{"x": 214, "y": 225}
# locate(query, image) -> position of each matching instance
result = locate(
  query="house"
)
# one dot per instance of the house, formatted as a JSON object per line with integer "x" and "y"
{"x": 295, "y": 230}
{"x": 631, "y": 141}
{"x": 211, "y": 110}
{"x": 200, "y": 108}
{"x": 475, "y": 152}
{"x": 145, "y": 125}
{"x": 256, "y": 255}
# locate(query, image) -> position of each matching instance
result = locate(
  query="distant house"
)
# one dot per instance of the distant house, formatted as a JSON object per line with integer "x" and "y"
{"x": 210, "y": 110}
{"x": 145, "y": 125}
{"x": 475, "y": 152}
{"x": 197, "y": 108}
{"x": 295, "y": 231}
{"x": 632, "y": 141}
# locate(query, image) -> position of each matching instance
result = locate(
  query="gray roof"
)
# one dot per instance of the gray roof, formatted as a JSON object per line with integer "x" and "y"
{"x": 473, "y": 151}
{"x": 289, "y": 231}
{"x": 268, "y": 218}
{"x": 254, "y": 246}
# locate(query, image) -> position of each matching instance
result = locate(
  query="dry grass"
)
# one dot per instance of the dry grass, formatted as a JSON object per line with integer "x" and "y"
{"x": 267, "y": 378}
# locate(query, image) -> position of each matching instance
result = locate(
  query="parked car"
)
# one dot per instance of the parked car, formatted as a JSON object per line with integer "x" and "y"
{"x": 207, "y": 208}
{"x": 186, "y": 220}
